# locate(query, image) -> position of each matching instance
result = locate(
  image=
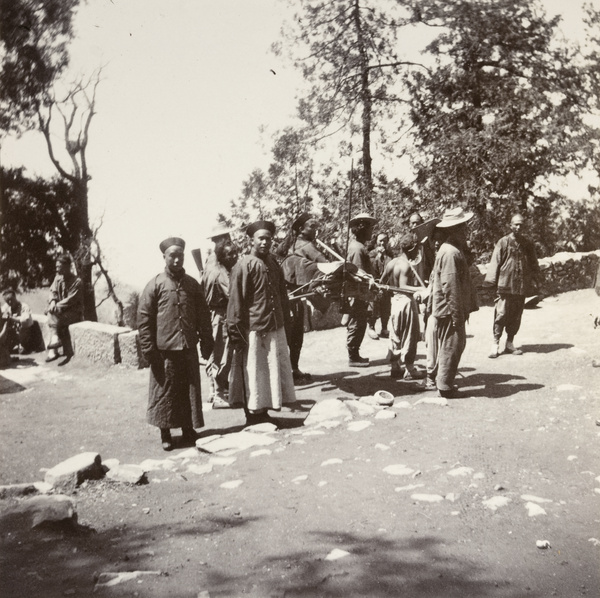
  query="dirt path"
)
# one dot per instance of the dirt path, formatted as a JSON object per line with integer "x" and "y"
{"x": 410, "y": 501}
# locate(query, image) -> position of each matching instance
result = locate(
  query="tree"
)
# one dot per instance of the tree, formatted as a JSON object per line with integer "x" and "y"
{"x": 347, "y": 53}
{"x": 498, "y": 113}
{"x": 38, "y": 218}
{"x": 34, "y": 35}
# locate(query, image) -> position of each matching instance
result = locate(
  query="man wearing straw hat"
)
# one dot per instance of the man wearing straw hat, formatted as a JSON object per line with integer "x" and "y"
{"x": 361, "y": 227}
{"x": 172, "y": 317}
{"x": 257, "y": 315}
{"x": 453, "y": 299}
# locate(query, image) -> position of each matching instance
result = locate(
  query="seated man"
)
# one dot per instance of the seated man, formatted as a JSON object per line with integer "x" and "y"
{"x": 18, "y": 317}
{"x": 64, "y": 308}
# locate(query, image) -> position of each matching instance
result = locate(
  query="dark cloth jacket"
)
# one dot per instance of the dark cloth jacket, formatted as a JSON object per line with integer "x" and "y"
{"x": 173, "y": 315}
{"x": 258, "y": 299}
{"x": 215, "y": 284}
{"x": 67, "y": 292}
{"x": 300, "y": 265}
{"x": 453, "y": 294}
{"x": 514, "y": 267}
{"x": 359, "y": 256}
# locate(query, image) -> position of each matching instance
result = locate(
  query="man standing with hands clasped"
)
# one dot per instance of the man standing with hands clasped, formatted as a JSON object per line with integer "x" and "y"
{"x": 515, "y": 273}
{"x": 172, "y": 317}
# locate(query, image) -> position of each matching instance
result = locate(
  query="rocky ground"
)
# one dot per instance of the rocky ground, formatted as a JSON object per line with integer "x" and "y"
{"x": 427, "y": 500}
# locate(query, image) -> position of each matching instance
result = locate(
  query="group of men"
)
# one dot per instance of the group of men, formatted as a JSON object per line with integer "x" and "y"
{"x": 250, "y": 331}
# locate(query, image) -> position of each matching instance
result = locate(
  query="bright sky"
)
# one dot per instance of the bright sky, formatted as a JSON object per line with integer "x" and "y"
{"x": 186, "y": 86}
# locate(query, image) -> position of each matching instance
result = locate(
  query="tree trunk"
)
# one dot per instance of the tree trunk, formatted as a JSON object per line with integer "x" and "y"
{"x": 84, "y": 253}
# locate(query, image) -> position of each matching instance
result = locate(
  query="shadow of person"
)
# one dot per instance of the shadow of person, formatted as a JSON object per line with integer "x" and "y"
{"x": 549, "y": 348}
{"x": 8, "y": 386}
{"x": 494, "y": 386}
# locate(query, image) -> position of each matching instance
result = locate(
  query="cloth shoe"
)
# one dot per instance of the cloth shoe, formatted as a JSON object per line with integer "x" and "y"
{"x": 411, "y": 373}
{"x": 494, "y": 351}
{"x": 429, "y": 384}
{"x": 356, "y": 361}
{"x": 166, "y": 440}
{"x": 372, "y": 333}
{"x": 510, "y": 348}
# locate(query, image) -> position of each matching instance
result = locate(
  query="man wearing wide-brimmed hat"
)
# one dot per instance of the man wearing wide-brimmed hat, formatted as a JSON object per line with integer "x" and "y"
{"x": 453, "y": 299}
{"x": 257, "y": 315}
{"x": 172, "y": 317}
{"x": 361, "y": 227}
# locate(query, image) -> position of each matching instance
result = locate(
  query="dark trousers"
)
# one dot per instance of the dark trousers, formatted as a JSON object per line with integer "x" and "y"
{"x": 508, "y": 312}
{"x": 451, "y": 341}
{"x": 357, "y": 326}
{"x": 380, "y": 308}
{"x": 295, "y": 333}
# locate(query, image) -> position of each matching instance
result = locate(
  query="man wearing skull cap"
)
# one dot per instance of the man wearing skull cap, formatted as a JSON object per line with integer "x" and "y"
{"x": 257, "y": 314}
{"x": 172, "y": 317}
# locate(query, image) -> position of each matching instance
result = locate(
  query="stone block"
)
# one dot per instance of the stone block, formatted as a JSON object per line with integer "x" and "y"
{"x": 127, "y": 473}
{"x": 17, "y": 490}
{"x": 44, "y": 331}
{"x": 96, "y": 342}
{"x": 129, "y": 350}
{"x": 40, "y": 510}
{"x": 67, "y": 475}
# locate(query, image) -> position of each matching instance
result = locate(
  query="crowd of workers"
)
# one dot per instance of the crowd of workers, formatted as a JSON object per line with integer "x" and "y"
{"x": 248, "y": 319}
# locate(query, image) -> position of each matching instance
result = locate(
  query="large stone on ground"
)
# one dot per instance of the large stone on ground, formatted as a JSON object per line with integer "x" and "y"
{"x": 67, "y": 475}
{"x": 128, "y": 473}
{"x": 17, "y": 490}
{"x": 96, "y": 342}
{"x": 232, "y": 443}
{"x": 129, "y": 350}
{"x": 328, "y": 409}
{"x": 38, "y": 510}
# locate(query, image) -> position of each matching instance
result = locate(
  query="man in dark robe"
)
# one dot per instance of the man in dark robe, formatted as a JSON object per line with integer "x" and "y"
{"x": 172, "y": 317}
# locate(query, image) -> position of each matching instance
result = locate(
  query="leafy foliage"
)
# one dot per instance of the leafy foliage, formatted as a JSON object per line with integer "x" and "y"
{"x": 37, "y": 220}
{"x": 34, "y": 35}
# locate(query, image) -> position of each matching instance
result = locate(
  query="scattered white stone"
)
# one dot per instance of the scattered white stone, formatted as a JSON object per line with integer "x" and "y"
{"x": 398, "y": 470}
{"x": 68, "y": 474}
{"x": 543, "y": 544}
{"x": 233, "y": 484}
{"x": 42, "y": 487}
{"x": 358, "y": 426}
{"x": 106, "y": 580}
{"x": 532, "y": 498}
{"x": 190, "y": 453}
{"x": 263, "y": 428}
{"x": 408, "y": 488}
{"x": 382, "y": 447}
{"x": 385, "y": 414}
{"x": 336, "y": 554}
{"x": 417, "y": 473}
{"x": 261, "y": 452}
{"x": 384, "y": 398}
{"x": 533, "y": 509}
{"x": 155, "y": 464}
{"x": 17, "y": 490}
{"x": 199, "y": 469}
{"x": 313, "y": 433}
{"x": 567, "y": 387}
{"x": 334, "y": 461}
{"x": 224, "y": 461}
{"x": 461, "y": 471}
{"x": 110, "y": 463}
{"x": 598, "y": 479}
{"x": 300, "y": 478}
{"x": 402, "y": 405}
{"x": 452, "y": 497}
{"x": 328, "y": 409}
{"x": 322, "y": 483}
{"x": 441, "y": 401}
{"x": 454, "y": 513}
{"x": 360, "y": 408}
{"x": 496, "y": 502}
{"x": 479, "y": 476}
{"x": 329, "y": 424}
{"x": 233, "y": 443}
{"x": 127, "y": 473}
{"x": 46, "y": 508}
{"x": 571, "y": 457}
{"x": 597, "y": 490}
{"x": 427, "y": 497}
{"x": 594, "y": 541}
